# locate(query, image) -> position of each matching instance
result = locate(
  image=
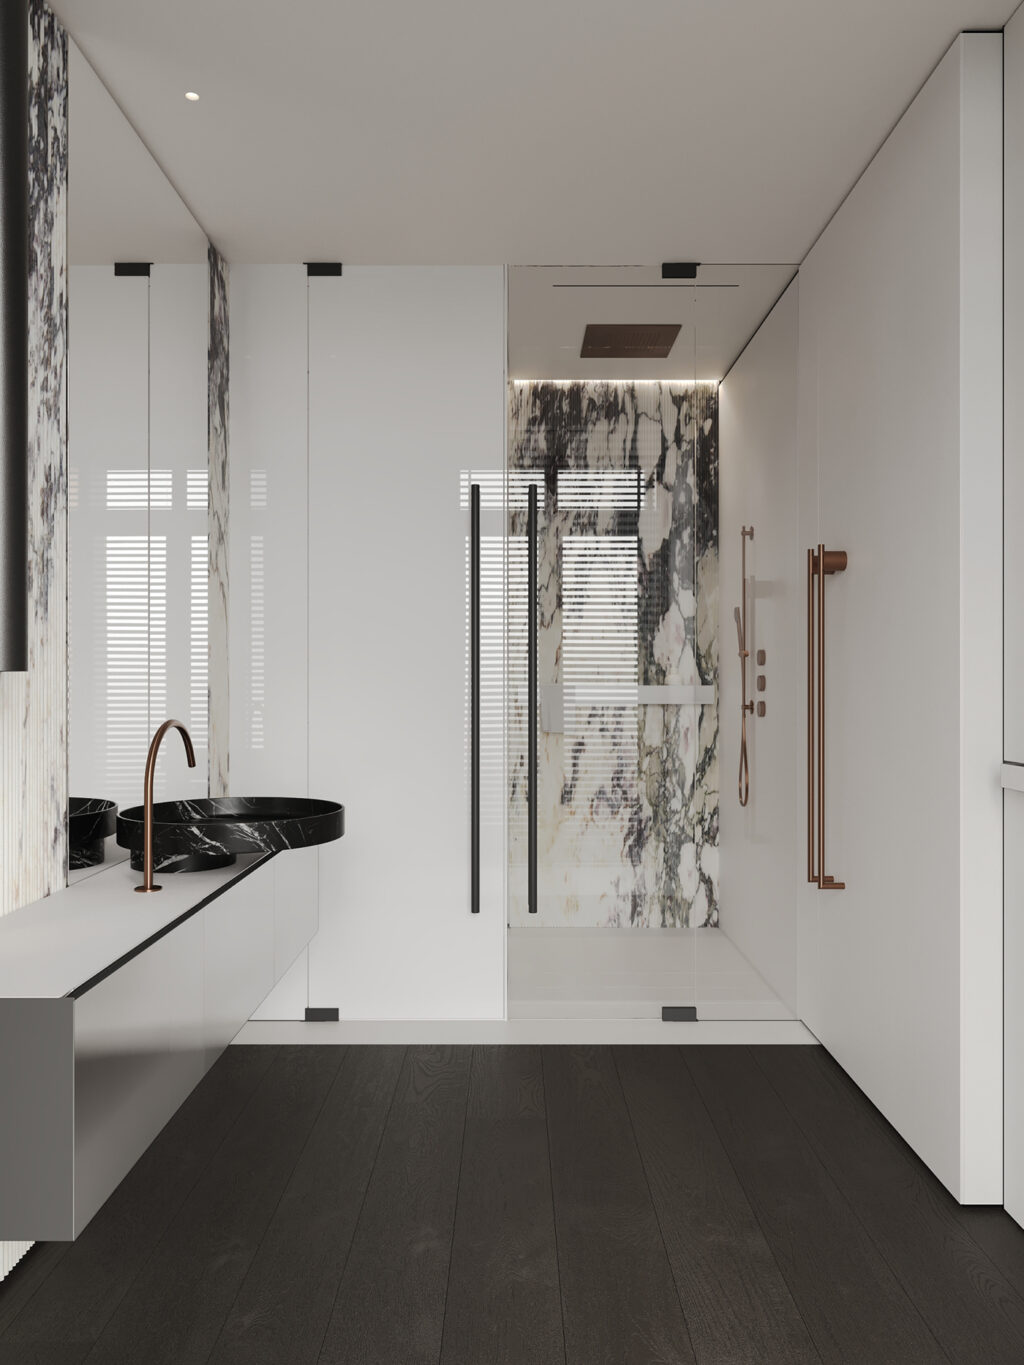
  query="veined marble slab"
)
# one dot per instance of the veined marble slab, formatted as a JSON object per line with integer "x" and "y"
{"x": 628, "y": 604}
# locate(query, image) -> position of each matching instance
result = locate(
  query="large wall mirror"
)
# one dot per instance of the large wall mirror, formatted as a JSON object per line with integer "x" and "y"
{"x": 138, "y": 392}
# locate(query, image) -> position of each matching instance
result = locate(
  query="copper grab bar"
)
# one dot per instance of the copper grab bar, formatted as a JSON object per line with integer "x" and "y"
{"x": 746, "y": 707}
{"x": 812, "y": 569}
{"x": 818, "y": 564}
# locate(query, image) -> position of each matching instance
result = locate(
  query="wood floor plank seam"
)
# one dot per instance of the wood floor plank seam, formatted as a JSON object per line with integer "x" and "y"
{"x": 362, "y": 1203}
{"x": 813, "y": 1148}
{"x": 918, "y": 1172}
{"x": 621, "y": 1302}
{"x": 680, "y": 1051}
{"x": 962, "y": 1213}
{"x": 393, "y": 1288}
{"x": 140, "y": 1265}
{"x": 844, "y": 1200}
{"x": 27, "y": 1277}
{"x": 145, "y": 1260}
{"x": 765, "y": 1231}
{"x": 654, "y": 1202}
{"x": 551, "y": 1188}
{"x": 344, "y": 1049}
{"x": 458, "y": 1195}
{"x": 100, "y": 1349}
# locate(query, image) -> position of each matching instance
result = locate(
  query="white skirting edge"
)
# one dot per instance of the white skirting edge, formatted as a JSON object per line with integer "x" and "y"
{"x": 535, "y": 1031}
{"x": 1013, "y": 777}
{"x": 10, "y": 1254}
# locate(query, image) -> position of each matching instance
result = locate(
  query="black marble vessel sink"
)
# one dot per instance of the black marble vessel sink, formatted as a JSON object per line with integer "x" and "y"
{"x": 90, "y": 822}
{"x": 190, "y": 836}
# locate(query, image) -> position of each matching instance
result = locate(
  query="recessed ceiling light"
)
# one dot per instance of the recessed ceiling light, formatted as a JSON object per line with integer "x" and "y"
{"x": 191, "y": 95}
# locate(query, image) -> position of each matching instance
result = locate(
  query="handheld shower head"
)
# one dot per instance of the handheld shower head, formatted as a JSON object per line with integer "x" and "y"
{"x": 739, "y": 634}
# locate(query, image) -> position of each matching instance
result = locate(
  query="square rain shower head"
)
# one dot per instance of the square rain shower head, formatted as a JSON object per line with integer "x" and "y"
{"x": 629, "y": 340}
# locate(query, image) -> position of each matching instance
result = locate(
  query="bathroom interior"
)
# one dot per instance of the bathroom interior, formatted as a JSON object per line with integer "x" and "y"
{"x": 505, "y": 617}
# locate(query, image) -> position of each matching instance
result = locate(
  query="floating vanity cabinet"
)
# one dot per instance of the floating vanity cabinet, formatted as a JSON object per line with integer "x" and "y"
{"x": 139, "y": 1050}
{"x": 112, "y": 1008}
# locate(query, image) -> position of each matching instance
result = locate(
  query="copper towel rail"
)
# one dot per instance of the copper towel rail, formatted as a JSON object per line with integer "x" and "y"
{"x": 819, "y": 564}
{"x": 746, "y": 707}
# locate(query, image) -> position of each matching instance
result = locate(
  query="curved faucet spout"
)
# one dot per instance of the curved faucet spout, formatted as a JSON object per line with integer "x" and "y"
{"x": 147, "y": 832}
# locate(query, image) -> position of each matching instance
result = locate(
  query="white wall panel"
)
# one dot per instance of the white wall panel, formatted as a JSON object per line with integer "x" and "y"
{"x": 1014, "y": 1017}
{"x": 108, "y": 525}
{"x": 899, "y": 403}
{"x": 1013, "y": 606}
{"x": 267, "y": 553}
{"x": 178, "y": 401}
{"x": 758, "y": 487}
{"x": 267, "y": 560}
{"x": 407, "y": 392}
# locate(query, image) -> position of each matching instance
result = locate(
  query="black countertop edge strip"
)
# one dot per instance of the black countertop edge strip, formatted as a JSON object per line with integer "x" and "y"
{"x": 79, "y": 991}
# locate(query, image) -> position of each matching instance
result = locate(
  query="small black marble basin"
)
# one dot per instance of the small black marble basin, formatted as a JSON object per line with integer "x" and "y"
{"x": 90, "y": 822}
{"x": 190, "y": 836}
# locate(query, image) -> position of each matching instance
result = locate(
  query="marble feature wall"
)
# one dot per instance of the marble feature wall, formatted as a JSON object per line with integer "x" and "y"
{"x": 33, "y": 705}
{"x": 218, "y": 361}
{"x": 628, "y": 580}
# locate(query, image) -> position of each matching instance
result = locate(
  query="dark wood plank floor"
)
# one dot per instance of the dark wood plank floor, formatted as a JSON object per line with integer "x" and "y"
{"x": 525, "y": 1206}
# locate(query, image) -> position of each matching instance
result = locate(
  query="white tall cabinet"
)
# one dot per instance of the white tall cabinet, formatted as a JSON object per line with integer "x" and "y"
{"x": 900, "y": 454}
{"x": 1013, "y": 606}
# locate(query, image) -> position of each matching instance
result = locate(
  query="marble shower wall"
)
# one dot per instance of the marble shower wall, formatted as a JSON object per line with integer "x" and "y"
{"x": 628, "y": 578}
{"x": 217, "y": 430}
{"x": 33, "y": 705}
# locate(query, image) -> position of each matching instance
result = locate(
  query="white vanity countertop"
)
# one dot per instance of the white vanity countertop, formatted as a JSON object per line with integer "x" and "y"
{"x": 51, "y": 947}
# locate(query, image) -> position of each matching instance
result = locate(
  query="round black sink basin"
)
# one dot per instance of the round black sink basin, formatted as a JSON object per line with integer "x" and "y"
{"x": 90, "y": 822}
{"x": 190, "y": 836}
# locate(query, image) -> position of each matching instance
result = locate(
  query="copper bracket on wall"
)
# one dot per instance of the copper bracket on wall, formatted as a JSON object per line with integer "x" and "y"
{"x": 820, "y": 563}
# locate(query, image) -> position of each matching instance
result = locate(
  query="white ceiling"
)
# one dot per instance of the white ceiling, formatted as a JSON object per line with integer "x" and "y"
{"x": 121, "y": 206}
{"x": 540, "y": 132}
{"x": 549, "y": 308}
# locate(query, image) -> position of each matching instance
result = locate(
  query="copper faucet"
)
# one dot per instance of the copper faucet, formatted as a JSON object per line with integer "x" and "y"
{"x": 147, "y": 831}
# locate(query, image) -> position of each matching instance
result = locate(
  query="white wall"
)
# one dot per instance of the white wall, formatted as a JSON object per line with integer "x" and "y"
{"x": 900, "y": 458}
{"x": 1013, "y": 599}
{"x": 757, "y": 487}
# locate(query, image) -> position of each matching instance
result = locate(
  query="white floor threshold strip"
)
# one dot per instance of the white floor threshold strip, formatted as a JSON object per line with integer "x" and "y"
{"x": 527, "y": 1031}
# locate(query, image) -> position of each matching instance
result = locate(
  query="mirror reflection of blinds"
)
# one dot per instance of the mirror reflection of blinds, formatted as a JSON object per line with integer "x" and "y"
{"x": 199, "y": 640}
{"x": 257, "y": 642}
{"x": 611, "y": 489}
{"x": 492, "y": 663}
{"x": 516, "y": 682}
{"x": 493, "y": 483}
{"x": 197, "y": 490}
{"x": 140, "y": 488}
{"x": 600, "y": 660}
{"x": 134, "y": 677}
